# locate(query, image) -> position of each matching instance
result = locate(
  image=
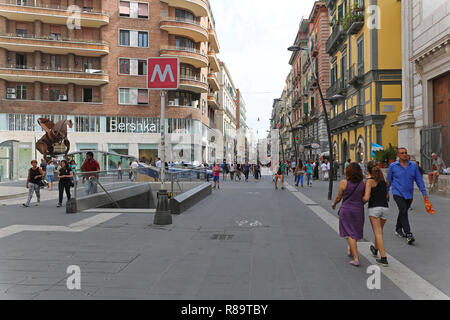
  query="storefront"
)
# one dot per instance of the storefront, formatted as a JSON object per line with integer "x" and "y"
{"x": 148, "y": 153}
{"x": 15, "y": 159}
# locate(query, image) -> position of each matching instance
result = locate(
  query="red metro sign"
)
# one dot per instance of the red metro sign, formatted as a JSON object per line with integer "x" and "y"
{"x": 163, "y": 73}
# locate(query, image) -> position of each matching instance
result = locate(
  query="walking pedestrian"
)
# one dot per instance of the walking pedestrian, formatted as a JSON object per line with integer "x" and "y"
{"x": 224, "y": 167}
{"x": 351, "y": 212}
{"x": 35, "y": 175}
{"x": 280, "y": 175}
{"x": 216, "y": 171}
{"x": 91, "y": 167}
{"x": 324, "y": 168}
{"x": 375, "y": 194}
{"x": 298, "y": 174}
{"x": 246, "y": 168}
{"x": 43, "y": 165}
{"x": 73, "y": 166}
{"x": 65, "y": 175}
{"x": 50, "y": 174}
{"x": 401, "y": 177}
{"x": 309, "y": 172}
{"x": 134, "y": 169}
{"x": 119, "y": 171}
{"x": 316, "y": 170}
{"x": 232, "y": 171}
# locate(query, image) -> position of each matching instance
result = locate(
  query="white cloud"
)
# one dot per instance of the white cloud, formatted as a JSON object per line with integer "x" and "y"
{"x": 254, "y": 36}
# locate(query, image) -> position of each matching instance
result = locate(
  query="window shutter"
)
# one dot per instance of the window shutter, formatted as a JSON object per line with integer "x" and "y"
{"x": 87, "y": 3}
{"x": 143, "y": 10}
{"x": 124, "y": 7}
{"x": 55, "y": 29}
{"x": 143, "y": 96}
{"x": 21, "y": 26}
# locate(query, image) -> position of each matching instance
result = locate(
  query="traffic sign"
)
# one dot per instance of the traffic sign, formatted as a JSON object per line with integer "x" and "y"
{"x": 163, "y": 73}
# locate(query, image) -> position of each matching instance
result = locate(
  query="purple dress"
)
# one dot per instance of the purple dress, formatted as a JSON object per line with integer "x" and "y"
{"x": 351, "y": 215}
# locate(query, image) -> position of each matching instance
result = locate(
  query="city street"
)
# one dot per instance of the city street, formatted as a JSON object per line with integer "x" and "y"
{"x": 245, "y": 241}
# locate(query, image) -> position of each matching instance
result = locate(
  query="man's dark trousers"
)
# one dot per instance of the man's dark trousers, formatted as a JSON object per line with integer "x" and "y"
{"x": 402, "y": 220}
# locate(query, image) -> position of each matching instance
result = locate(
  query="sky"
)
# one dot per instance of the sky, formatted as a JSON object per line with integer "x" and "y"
{"x": 254, "y": 36}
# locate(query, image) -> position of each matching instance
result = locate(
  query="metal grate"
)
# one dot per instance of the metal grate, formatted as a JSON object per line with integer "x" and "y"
{"x": 221, "y": 237}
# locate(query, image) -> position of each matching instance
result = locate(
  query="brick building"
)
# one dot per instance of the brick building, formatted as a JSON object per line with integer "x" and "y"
{"x": 92, "y": 70}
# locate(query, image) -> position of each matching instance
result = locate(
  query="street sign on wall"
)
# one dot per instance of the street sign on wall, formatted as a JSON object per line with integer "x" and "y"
{"x": 163, "y": 73}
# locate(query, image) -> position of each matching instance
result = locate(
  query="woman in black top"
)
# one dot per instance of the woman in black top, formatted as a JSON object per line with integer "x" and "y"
{"x": 65, "y": 175}
{"x": 377, "y": 196}
{"x": 35, "y": 175}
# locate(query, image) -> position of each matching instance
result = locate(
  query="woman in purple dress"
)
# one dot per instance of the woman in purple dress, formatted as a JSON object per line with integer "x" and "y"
{"x": 351, "y": 214}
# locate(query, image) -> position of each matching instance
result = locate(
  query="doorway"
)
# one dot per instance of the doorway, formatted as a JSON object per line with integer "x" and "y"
{"x": 441, "y": 112}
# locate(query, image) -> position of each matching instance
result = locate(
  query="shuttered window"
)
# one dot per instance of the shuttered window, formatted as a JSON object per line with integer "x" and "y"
{"x": 143, "y": 10}
{"x": 124, "y": 9}
{"x": 142, "y": 96}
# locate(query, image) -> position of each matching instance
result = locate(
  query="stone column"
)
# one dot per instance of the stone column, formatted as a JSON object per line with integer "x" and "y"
{"x": 71, "y": 61}
{"x": 38, "y": 28}
{"x": 406, "y": 121}
{"x": 37, "y": 59}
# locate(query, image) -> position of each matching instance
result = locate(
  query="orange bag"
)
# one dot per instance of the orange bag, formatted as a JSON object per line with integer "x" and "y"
{"x": 428, "y": 206}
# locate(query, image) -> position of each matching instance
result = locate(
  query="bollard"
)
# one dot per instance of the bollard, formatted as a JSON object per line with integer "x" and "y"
{"x": 163, "y": 215}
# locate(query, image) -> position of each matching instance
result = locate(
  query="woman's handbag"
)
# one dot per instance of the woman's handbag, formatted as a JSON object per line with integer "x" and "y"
{"x": 348, "y": 197}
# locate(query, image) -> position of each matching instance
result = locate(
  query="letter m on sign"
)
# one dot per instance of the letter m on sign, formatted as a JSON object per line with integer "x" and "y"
{"x": 163, "y": 73}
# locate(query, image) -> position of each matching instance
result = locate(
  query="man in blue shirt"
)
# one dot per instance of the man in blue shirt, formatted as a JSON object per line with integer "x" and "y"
{"x": 401, "y": 177}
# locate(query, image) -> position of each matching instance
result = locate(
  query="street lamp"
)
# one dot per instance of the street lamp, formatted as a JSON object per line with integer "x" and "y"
{"x": 330, "y": 142}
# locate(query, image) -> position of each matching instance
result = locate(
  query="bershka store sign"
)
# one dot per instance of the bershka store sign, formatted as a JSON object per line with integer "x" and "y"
{"x": 144, "y": 126}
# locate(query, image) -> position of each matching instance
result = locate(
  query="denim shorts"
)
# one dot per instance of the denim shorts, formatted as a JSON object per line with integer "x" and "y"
{"x": 379, "y": 212}
{"x": 216, "y": 179}
{"x": 50, "y": 178}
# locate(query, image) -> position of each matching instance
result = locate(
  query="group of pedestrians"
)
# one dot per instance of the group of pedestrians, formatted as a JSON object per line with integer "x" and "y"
{"x": 236, "y": 171}
{"x": 63, "y": 171}
{"x": 355, "y": 193}
{"x": 300, "y": 171}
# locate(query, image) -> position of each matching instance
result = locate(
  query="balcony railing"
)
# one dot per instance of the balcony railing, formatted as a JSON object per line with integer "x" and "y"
{"x": 184, "y": 49}
{"x": 51, "y": 38}
{"x": 34, "y": 4}
{"x": 356, "y": 74}
{"x": 335, "y": 39}
{"x": 52, "y": 68}
{"x": 354, "y": 20}
{"x": 338, "y": 87}
{"x": 349, "y": 117}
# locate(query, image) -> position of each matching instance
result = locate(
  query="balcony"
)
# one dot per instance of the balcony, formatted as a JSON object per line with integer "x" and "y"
{"x": 15, "y": 73}
{"x": 350, "y": 118}
{"x": 187, "y": 55}
{"x": 213, "y": 41}
{"x": 47, "y": 44}
{"x": 213, "y": 61}
{"x": 184, "y": 27}
{"x": 193, "y": 84}
{"x": 213, "y": 101}
{"x": 354, "y": 21}
{"x": 314, "y": 49}
{"x": 335, "y": 39}
{"x": 47, "y": 13}
{"x": 213, "y": 82}
{"x": 356, "y": 75}
{"x": 338, "y": 87}
{"x": 331, "y": 4}
{"x": 198, "y": 7}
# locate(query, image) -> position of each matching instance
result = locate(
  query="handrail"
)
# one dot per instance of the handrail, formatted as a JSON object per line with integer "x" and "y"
{"x": 183, "y": 20}
{"x": 92, "y": 178}
{"x": 49, "y": 68}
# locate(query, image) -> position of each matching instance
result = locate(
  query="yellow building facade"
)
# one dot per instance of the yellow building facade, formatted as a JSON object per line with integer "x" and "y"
{"x": 365, "y": 71}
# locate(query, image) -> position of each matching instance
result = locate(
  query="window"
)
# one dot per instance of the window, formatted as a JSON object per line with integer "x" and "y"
{"x": 142, "y": 67}
{"x": 183, "y": 98}
{"x": 124, "y": 96}
{"x": 340, "y": 12}
{"x": 55, "y": 62}
{"x": 87, "y": 5}
{"x": 87, "y": 64}
{"x": 143, "y": 39}
{"x": 21, "y": 61}
{"x": 124, "y": 9}
{"x": 360, "y": 50}
{"x": 21, "y": 29}
{"x": 143, "y": 10}
{"x": 142, "y": 96}
{"x": 184, "y": 43}
{"x": 55, "y": 32}
{"x": 21, "y": 92}
{"x": 183, "y": 15}
{"x": 54, "y": 94}
{"x": 124, "y": 66}
{"x": 188, "y": 71}
{"x": 344, "y": 68}
{"x": 124, "y": 37}
{"x": 87, "y": 94}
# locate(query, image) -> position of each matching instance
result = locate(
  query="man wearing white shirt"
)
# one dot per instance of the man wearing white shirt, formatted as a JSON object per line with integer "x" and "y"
{"x": 158, "y": 163}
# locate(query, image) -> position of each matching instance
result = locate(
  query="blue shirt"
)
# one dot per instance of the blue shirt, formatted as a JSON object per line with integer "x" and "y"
{"x": 309, "y": 167}
{"x": 246, "y": 167}
{"x": 50, "y": 170}
{"x": 402, "y": 180}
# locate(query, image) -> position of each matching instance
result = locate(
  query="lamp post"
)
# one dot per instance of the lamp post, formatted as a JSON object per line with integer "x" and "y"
{"x": 296, "y": 49}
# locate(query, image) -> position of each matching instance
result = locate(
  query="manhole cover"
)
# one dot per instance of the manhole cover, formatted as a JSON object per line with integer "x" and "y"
{"x": 221, "y": 237}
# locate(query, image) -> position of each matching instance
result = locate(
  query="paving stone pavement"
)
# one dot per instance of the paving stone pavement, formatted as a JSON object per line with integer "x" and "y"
{"x": 245, "y": 241}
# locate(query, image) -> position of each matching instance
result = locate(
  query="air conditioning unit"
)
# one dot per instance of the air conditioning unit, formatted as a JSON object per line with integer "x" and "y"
{"x": 10, "y": 96}
{"x": 171, "y": 103}
{"x": 11, "y": 90}
{"x": 62, "y": 97}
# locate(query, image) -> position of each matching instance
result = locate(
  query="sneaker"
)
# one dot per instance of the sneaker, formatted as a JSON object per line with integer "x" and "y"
{"x": 400, "y": 233}
{"x": 58, "y": 205}
{"x": 383, "y": 261}
{"x": 282, "y": 188}
{"x": 276, "y": 188}
{"x": 410, "y": 239}
{"x": 374, "y": 251}
{"x": 25, "y": 205}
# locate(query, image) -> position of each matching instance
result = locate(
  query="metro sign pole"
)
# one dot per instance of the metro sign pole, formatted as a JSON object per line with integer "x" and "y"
{"x": 163, "y": 74}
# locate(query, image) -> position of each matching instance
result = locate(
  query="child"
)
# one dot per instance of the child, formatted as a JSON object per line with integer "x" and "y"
{"x": 216, "y": 171}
